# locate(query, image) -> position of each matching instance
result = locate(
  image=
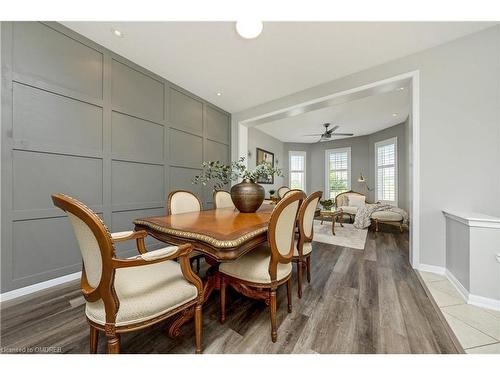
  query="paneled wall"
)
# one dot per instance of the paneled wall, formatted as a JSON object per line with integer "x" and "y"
{"x": 79, "y": 119}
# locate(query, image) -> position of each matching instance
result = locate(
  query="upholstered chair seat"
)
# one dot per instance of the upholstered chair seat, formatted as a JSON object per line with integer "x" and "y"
{"x": 349, "y": 210}
{"x": 386, "y": 216}
{"x": 254, "y": 267}
{"x": 307, "y": 248}
{"x": 145, "y": 292}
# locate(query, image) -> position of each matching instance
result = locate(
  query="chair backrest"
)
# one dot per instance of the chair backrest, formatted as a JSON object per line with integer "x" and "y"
{"x": 92, "y": 235}
{"x": 282, "y": 191}
{"x": 340, "y": 198}
{"x": 281, "y": 230}
{"x": 222, "y": 199}
{"x": 182, "y": 201}
{"x": 291, "y": 191}
{"x": 306, "y": 216}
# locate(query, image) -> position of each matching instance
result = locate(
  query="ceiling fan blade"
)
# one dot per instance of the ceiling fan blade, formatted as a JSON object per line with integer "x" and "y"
{"x": 311, "y": 135}
{"x": 334, "y": 128}
{"x": 346, "y": 134}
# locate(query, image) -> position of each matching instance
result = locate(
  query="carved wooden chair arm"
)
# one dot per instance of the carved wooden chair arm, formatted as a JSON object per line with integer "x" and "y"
{"x": 131, "y": 235}
{"x": 128, "y": 235}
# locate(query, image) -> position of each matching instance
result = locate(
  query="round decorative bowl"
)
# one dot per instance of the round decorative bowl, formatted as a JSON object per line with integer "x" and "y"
{"x": 247, "y": 196}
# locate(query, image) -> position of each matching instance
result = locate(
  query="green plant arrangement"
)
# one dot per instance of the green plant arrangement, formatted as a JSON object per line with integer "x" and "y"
{"x": 222, "y": 174}
{"x": 272, "y": 192}
{"x": 327, "y": 204}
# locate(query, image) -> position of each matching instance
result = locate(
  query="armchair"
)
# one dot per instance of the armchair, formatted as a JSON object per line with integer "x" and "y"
{"x": 124, "y": 295}
{"x": 342, "y": 201}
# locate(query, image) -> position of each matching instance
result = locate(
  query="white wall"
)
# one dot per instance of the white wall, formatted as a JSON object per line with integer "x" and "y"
{"x": 257, "y": 138}
{"x": 459, "y": 128}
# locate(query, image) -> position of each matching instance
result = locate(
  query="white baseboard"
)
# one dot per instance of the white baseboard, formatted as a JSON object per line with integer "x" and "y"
{"x": 458, "y": 285}
{"x": 432, "y": 269}
{"x": 39, "y": 286}
{"x": 487, "y": 303}
{"x": 471, "y": 299}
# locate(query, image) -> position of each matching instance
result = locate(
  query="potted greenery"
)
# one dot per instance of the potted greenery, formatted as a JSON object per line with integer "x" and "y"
{"x": 271, "y": 193}
{"x": 327, "y": 204}
{"x": 247, "y": 196}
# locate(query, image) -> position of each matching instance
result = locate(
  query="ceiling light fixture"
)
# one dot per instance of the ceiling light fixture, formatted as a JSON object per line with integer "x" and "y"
{"x": 249, "y": 29}
{"x": 219, "y": 94}
{"x": 394, "y": 114}
{"x": 401, "y": 88}
{"x": 117, "y": 33}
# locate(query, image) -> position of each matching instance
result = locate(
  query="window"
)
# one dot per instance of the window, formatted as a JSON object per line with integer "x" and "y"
{"x": 338, "y": 171}
{"x": 297, "y": 162}
{"x": 386, "y": 171}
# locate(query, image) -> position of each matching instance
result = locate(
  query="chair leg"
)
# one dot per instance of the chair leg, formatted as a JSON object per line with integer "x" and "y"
{"x": 376, "y": 225}
{"x": 114, "y": 344}
{"x": 272, "y": 309}
{"x": 401, "y": 227}
{"x": 94, "y": 339}
{"x": 308, "y": 265}
{"x": 222, "y": 298}
{"x": 198, "y": 323}
{"x": 198, "y": 265}
{"x": 299, "y": 278}
{"x": 289, "y": 294}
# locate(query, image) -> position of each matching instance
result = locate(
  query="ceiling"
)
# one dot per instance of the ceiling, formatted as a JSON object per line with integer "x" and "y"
{"x": 360, "y": 117}
{"x": 209, "y": 57}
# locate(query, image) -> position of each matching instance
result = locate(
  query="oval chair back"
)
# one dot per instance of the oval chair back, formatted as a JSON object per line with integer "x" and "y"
{"x": 306, "y": 217}
{"x": 97, "y": 250}
{"x": 222, "y": 199}
{"x": 182, "y": 201}
{"x": 282, "y": 191}
{"x": 291, "y": 191}
{"x": 281, "y": 231}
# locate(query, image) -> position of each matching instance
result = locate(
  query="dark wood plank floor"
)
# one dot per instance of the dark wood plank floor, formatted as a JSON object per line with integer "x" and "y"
{"x": 366, "y": 301}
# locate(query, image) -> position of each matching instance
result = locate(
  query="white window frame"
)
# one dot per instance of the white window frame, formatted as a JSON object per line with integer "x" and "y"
{"x": 327, "y": 168}
{"x": 301, "y": 153}
{"x": 393, "y": 140}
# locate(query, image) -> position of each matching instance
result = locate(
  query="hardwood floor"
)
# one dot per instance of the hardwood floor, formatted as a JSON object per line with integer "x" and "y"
{"x": 359, "y": 301}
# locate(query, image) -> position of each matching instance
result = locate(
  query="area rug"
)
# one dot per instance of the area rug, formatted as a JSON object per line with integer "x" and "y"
{"x": 346, "y": 236}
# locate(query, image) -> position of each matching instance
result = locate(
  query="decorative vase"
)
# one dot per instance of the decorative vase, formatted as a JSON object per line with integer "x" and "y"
{"x": 247, "y": 196}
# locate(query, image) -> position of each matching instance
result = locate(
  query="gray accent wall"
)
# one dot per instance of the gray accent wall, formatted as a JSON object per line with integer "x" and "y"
{"x": 81, "y": 120}
{"x": 459, "y": 128}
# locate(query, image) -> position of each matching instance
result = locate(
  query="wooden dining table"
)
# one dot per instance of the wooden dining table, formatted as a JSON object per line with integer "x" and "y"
{"x": 221, "y": 235}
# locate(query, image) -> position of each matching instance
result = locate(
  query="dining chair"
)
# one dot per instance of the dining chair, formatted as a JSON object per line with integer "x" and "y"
{"x": 180, "y": 202}
{"x": 291, "y": 191}
{"x": 222, "y": 199}
{"x": 124, "y": 295}
{"x": 303, "y": 244}
{"x": 282, "y": 190}
{"x": 261, "y": 271}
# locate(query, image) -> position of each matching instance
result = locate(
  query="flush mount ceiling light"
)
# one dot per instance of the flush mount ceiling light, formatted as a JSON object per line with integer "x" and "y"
{"x": 394, "y": 114}
{"x": 249, "y": 29}
{"x": 117, "y": 33}
{"x": 219, "y": 94}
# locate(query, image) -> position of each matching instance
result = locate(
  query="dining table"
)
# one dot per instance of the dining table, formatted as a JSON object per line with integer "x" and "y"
{"x": 221, "y": 235}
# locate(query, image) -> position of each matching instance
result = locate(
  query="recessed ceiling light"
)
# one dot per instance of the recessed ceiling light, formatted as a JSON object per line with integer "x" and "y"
{"x": 219, "y": 94}
{"x": 394, "y": 114}
{"x": 249, "y": 29}
{"x": 401, "y": 88}
{"x": 117, "y": 33}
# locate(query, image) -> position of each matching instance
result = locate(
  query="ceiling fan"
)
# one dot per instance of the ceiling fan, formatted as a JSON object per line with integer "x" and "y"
{"x": 329, "y": 133}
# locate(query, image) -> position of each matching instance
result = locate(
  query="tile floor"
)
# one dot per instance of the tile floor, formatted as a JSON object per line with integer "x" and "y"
{"x": 477, "y": 329}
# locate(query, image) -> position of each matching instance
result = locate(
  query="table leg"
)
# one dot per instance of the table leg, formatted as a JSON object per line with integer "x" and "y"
{"x": 334, "y": 218}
